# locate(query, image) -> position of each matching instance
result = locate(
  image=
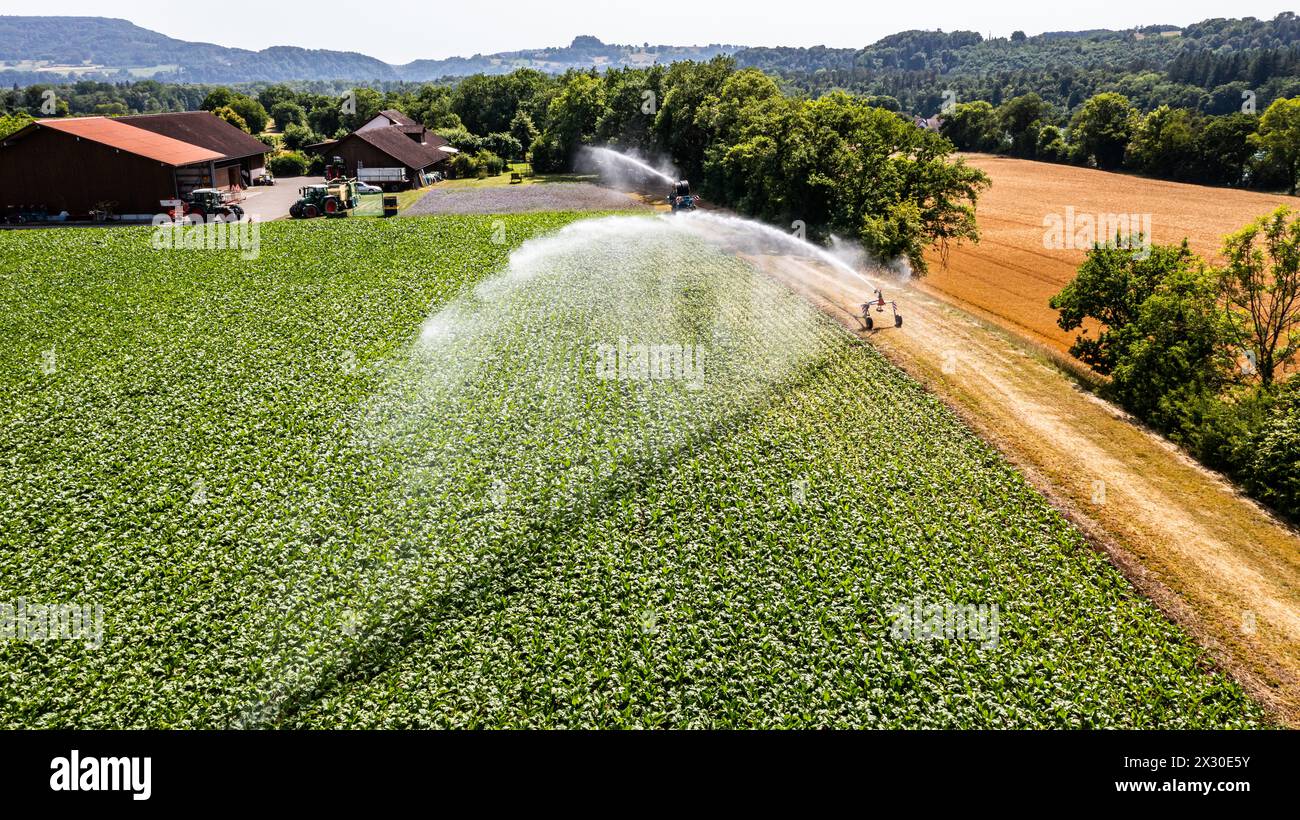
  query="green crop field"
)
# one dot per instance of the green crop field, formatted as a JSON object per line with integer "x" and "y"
{"x": 364, "y": 480}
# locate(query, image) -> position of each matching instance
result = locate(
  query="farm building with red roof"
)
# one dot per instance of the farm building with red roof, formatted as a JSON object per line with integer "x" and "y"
{"x": 125, "y": 165}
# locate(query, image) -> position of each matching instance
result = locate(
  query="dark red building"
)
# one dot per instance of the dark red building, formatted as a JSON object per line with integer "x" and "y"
{"x": 124, "y": 165}
{"x": 389, "y": 140}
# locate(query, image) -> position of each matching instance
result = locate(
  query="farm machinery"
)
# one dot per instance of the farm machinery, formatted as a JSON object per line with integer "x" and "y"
{"x": 388, "y": 179}
{"x": 681, "y": 198}
{"x": 23, "y": 214}
{"x": 334, "y": 199}
{"x": 200, "y": 204}
{"x": 879, "y": 304}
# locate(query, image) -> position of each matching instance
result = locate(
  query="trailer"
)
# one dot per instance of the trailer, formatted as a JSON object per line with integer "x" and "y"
{"x": 390, "y": 179}
{"x": 680, "y": 197}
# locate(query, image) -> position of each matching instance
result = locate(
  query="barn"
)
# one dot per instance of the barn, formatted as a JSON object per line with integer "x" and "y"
{"x": 389, "y": 140}
{"x": 243, "y": 156}
{"x": 124, "y": 165}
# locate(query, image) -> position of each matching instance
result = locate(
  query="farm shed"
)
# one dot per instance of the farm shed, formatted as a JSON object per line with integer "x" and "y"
{"x": 392, "y": 146}
{"x": 242, "y": 155}
{"x": 77, "y": 164}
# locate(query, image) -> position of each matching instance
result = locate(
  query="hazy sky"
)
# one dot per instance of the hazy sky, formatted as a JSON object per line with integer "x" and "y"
{"x": 402, "y": 30}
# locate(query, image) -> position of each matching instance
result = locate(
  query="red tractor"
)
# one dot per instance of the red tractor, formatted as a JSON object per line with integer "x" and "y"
{"x": 336, "y": 170}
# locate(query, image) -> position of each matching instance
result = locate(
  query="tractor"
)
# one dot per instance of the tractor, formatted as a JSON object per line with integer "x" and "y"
{"x": 681, "y": 199}
{"x": 201, "y": 203}
{"x": 335, "y": 169}
{"x": 333, "y": 199}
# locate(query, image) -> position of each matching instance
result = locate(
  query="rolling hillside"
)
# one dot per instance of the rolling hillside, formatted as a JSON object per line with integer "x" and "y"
{"x": 56, "y": 49}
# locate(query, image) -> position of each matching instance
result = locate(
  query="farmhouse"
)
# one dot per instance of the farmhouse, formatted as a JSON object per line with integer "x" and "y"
{"x": 392, "y": 117}
{"x": 389, "y": 140}
{"x": 125, "y": 165}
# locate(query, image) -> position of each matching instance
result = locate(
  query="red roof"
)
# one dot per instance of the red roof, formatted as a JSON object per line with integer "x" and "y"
{"x": 133, "y": 140}
{"x": 202, "y": 129}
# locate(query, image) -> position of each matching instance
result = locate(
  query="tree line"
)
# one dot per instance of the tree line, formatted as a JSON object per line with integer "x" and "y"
{"x": 1204, "y": 66}
{"x": 1107, "y": 131}
{"x": 833, "y": 164}
{"x": 1205, "y": 354}
{"x": 837, "y": 164}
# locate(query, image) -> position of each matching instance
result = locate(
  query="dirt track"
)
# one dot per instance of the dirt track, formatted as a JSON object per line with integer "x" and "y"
{"x": 1213, "y": 560}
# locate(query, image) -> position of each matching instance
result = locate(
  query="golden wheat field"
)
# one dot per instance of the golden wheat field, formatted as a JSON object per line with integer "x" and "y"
{"x": 1010, "y": 275}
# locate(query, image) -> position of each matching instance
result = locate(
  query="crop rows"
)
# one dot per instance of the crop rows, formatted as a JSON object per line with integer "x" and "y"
{"x": 355, "y": 482}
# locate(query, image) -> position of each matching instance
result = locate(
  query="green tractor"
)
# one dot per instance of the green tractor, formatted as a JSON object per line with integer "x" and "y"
{"x": 204, "y": 203}
{"x": 334, "y": 199}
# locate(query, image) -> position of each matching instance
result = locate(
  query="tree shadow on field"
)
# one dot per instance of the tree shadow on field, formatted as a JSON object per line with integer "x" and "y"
{"x": 387, "y": 645}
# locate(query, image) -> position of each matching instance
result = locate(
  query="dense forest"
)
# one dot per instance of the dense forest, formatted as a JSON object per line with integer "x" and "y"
{"x": 1204, "y": 66}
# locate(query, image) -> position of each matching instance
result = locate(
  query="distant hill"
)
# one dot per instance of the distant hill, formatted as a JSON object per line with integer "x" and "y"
{"x": 583, "y": 52}
{"x": 912, "y": 68}
{"x": 59, "y": 49}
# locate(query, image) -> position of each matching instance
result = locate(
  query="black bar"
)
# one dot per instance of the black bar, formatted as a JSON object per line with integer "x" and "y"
{"x": 212, "y": 770}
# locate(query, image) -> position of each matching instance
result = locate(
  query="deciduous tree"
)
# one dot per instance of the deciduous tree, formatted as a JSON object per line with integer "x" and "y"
{"x": 1102, "y": 128}
{"x": 1261, "y": 284}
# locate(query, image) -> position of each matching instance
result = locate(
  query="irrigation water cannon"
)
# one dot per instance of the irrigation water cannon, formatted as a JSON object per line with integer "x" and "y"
{"x": 681, "y": 198}
{"x": 879, "y": 304}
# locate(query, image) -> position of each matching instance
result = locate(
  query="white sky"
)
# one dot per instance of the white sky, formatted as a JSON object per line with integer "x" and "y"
{"x": 399, "y": 31}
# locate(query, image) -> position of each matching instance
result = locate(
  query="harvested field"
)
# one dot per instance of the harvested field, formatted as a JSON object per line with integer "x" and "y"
{"x": 499, "y": 199}
{"x": 1009, "y": 276}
